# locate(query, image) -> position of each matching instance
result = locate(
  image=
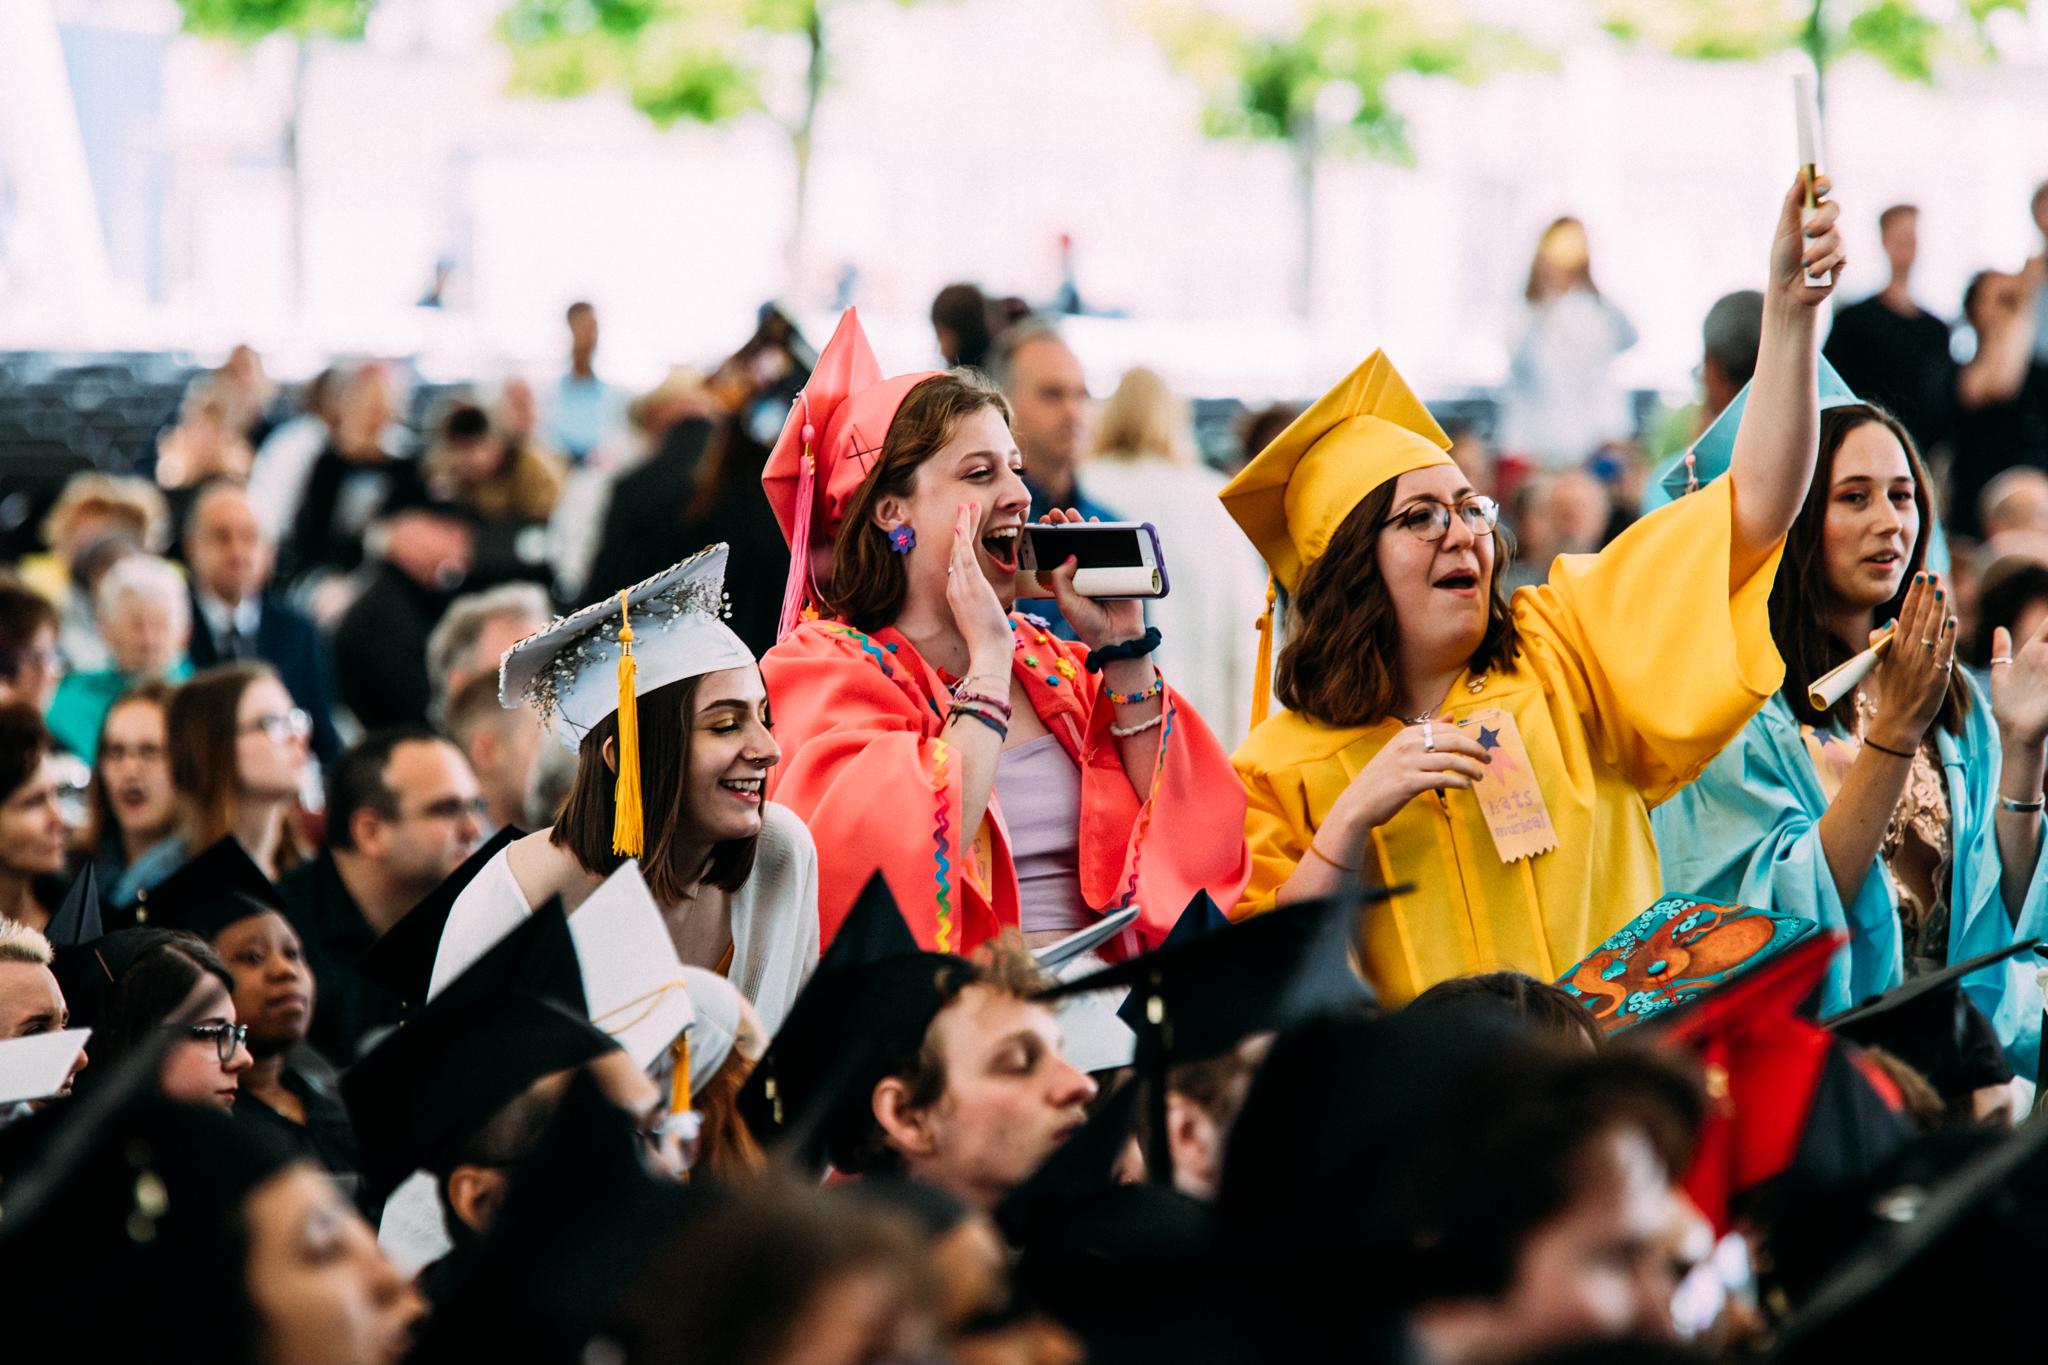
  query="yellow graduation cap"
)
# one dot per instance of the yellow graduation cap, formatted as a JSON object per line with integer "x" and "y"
{"x": 1294, "y": 494}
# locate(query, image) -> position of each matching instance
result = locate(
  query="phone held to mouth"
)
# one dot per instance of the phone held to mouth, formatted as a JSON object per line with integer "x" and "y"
{"x": 1114, "y": 559}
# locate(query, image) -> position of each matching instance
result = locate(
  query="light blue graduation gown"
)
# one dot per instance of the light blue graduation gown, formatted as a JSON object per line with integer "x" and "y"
{"x": 1747, "y": 831}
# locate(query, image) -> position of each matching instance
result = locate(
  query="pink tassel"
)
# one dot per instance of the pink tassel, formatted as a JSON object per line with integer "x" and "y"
{"x": 795, "y": 592}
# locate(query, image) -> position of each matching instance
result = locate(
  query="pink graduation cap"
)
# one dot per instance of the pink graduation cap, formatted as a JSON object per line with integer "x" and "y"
{"x": 827, "y": 448}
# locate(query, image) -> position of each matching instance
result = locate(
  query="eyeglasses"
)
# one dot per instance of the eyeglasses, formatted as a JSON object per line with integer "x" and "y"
{"x": 141, "y": 753}
{"x": 1430, "y": 520}
{"x": 226, "y": 1038}
{"x": 292, "y": 724}
{"x": 452, "y": 808}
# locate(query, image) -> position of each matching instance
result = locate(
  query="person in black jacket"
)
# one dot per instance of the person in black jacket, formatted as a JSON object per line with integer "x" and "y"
{"x": 235, "y": 616}
{"x": 380, "y": 642}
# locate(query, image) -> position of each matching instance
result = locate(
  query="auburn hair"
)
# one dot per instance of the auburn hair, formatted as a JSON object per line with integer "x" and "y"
{"x": 202, "y": 728}
{"x": 868, "y": 583}
{"x": 1802, "y": 600}
{"x": 1341, "y": 663}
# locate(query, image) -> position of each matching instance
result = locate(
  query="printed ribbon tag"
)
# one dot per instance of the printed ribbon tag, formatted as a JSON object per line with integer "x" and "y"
{"x": 1508, "y": 795}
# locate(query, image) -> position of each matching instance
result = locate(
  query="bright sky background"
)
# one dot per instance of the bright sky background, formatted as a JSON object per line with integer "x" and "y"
{"x": 960, "y": 138}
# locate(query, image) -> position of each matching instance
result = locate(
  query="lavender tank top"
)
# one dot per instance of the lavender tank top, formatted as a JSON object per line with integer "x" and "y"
{"x": 1040, "y": 788}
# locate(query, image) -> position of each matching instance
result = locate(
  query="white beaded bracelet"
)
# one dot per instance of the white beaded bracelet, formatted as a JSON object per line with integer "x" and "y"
{"x": 1126, "y": 731}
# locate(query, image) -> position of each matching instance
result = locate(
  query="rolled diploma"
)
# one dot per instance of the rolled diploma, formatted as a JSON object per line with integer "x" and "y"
{"x": 1834, "y": 685}
{"x": 1806, "y": 108}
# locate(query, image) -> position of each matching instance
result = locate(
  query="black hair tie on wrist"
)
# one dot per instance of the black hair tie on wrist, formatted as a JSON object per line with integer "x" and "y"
{"x": 1128, "y": 649}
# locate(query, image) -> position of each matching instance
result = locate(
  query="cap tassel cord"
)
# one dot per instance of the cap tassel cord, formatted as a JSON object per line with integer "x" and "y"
{"x": 1262, "y": 674}
{"x": 795, "y": 591}
{"x": 679, "y": 1082}
{"x": 628, "y": 823}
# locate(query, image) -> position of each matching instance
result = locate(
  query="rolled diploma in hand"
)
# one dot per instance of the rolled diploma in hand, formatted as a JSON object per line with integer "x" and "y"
{"x": 1806, "y": 108}
{"x": 1835, "y": 684}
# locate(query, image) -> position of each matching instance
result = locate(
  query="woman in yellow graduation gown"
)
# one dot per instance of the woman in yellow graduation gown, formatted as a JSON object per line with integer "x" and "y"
{"x": 1439, "y": 735}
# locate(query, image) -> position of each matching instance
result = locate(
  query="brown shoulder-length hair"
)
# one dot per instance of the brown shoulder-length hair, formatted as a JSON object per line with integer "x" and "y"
{"x": 1801, "y": 599}
{"x": 100, "y": 824}
{"x": 201, "y": 729}
{"x": 1341, "y": 663}
{"x": 584, "y": 827}
{"x": 868, "y": 581}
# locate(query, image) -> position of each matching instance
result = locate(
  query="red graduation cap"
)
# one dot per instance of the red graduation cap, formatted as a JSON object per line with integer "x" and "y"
{"x": 1786, "y": 1096}
{"x": 832, "y": 439}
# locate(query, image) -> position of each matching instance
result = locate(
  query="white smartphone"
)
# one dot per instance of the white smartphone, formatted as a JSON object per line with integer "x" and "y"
{"x": 1116, "y": 558}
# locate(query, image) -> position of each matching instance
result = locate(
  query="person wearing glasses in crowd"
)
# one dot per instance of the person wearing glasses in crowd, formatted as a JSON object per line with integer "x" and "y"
{"x": 176, "y": 975}
{"x": 221, "y": 897}
{"x": 239, "y": 751}
{"x": 403, "y": 811}
{"x": 1501, "y": 755}
{"x": 130, "y": 806}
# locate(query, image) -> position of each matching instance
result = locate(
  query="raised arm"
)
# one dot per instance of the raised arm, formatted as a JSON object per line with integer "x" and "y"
{"x": 1779, "y": 437}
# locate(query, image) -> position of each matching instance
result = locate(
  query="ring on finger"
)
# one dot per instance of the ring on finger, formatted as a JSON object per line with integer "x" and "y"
{"x": 1428, "y": 734}
{"x": 1928, "y": 643}
{"x": 1997, "y": 659}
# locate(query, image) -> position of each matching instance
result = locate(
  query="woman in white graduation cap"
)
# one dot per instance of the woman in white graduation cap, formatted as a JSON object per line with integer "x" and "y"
{"x": 663, "y": 705}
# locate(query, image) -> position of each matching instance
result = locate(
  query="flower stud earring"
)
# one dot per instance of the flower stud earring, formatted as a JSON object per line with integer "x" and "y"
{"x": 902, "y": 539}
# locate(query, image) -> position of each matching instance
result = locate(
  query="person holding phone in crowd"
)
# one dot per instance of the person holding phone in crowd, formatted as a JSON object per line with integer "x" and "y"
{"x": 1500, "y": 756}
{"x": 1028, "y": 781}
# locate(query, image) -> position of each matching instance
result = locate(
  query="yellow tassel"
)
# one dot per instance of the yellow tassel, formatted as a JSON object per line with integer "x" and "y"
{"x": 1262, "y": 676}
{"x": 628, "y": 824}
{"x": 679, "y": 1083}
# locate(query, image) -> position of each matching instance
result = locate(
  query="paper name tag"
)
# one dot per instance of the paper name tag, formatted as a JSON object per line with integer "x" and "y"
{"x": 1508, "y": 795}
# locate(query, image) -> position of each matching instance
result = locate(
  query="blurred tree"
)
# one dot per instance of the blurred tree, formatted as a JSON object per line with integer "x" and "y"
{"x": 1320, "y": 78}
{"x": 707, "y": 61}
{"x": 1907, "y": 39}
{"x": 248, "y": 22}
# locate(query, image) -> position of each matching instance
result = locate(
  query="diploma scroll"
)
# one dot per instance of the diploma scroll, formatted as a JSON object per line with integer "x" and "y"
{"x": 1837, "y": 683}
{"x": 1806, "y": 108}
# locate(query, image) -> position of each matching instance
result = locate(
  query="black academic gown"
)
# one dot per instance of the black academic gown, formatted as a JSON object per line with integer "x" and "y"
{"x": 326, "y": 1135}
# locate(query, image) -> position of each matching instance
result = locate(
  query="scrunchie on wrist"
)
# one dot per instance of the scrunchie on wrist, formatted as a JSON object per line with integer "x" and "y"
{"x": 1126, "y": 649}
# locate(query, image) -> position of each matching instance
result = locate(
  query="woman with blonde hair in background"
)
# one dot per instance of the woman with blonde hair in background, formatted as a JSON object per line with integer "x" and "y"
{"x": 1145, "y": 457}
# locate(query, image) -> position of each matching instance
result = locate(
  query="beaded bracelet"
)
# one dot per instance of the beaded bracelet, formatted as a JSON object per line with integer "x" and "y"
{"x": 1126, "y": 731}
{"x": 1000, "y": 705}
{"x": 1125, "y": 649}
{"x": 1133, "y": 698}
{"x": 1002, "y": 730}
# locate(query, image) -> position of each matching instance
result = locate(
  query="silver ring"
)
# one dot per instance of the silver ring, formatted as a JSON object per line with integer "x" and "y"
{"x": 1928, "y": 643}
{"x": 2001, "y": 659}
{"x": 1428, "y": 734}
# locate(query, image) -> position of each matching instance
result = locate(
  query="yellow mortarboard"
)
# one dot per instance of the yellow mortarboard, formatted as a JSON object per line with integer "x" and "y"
{"x": 1292, "y": 497}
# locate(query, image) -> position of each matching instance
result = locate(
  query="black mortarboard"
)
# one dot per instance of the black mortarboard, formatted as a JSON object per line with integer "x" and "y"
{"x": 402, "y": 960}
{"x": 1202, "y": 996}
{"x": 214, "y": 888}
{"x": 78, "y": 920}
{"x": 863, "y": 1013}
{"x": 1964, "y": 1247}
{"x": 130, "y": 1196}
{"x": 1931, "y": 1024}
{"x": 537, "y": 958}
{"x": 88, "y": 972}
{"x": 582, "y": 1218}
{"x": 422, "y": 1092}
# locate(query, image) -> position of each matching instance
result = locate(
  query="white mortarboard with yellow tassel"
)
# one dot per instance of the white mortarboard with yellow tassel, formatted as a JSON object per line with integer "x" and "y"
{"x": 606, "y": 656}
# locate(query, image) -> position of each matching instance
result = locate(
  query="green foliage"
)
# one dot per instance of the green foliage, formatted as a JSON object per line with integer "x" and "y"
{"x": 249, "y": 21}
{"x": 1911, "y": 40}
{"x": 1324, "y": 75}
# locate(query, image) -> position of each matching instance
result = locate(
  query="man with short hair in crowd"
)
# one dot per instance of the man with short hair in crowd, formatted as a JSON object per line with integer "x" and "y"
{"x": 476, "y": 630}
{"x": 1893, "y": 352}
{"x": 501, "y": 743}
{"x": 403, "y": 811}
{"x": 235, "y": 615}
{"x": 588, "y": 412}
{"x": 31, "y": 1002}
{"x": 1048, "y": 393}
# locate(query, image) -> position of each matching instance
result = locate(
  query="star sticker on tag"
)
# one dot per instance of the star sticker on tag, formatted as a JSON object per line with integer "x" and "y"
{"x": 1489, "y": 740}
